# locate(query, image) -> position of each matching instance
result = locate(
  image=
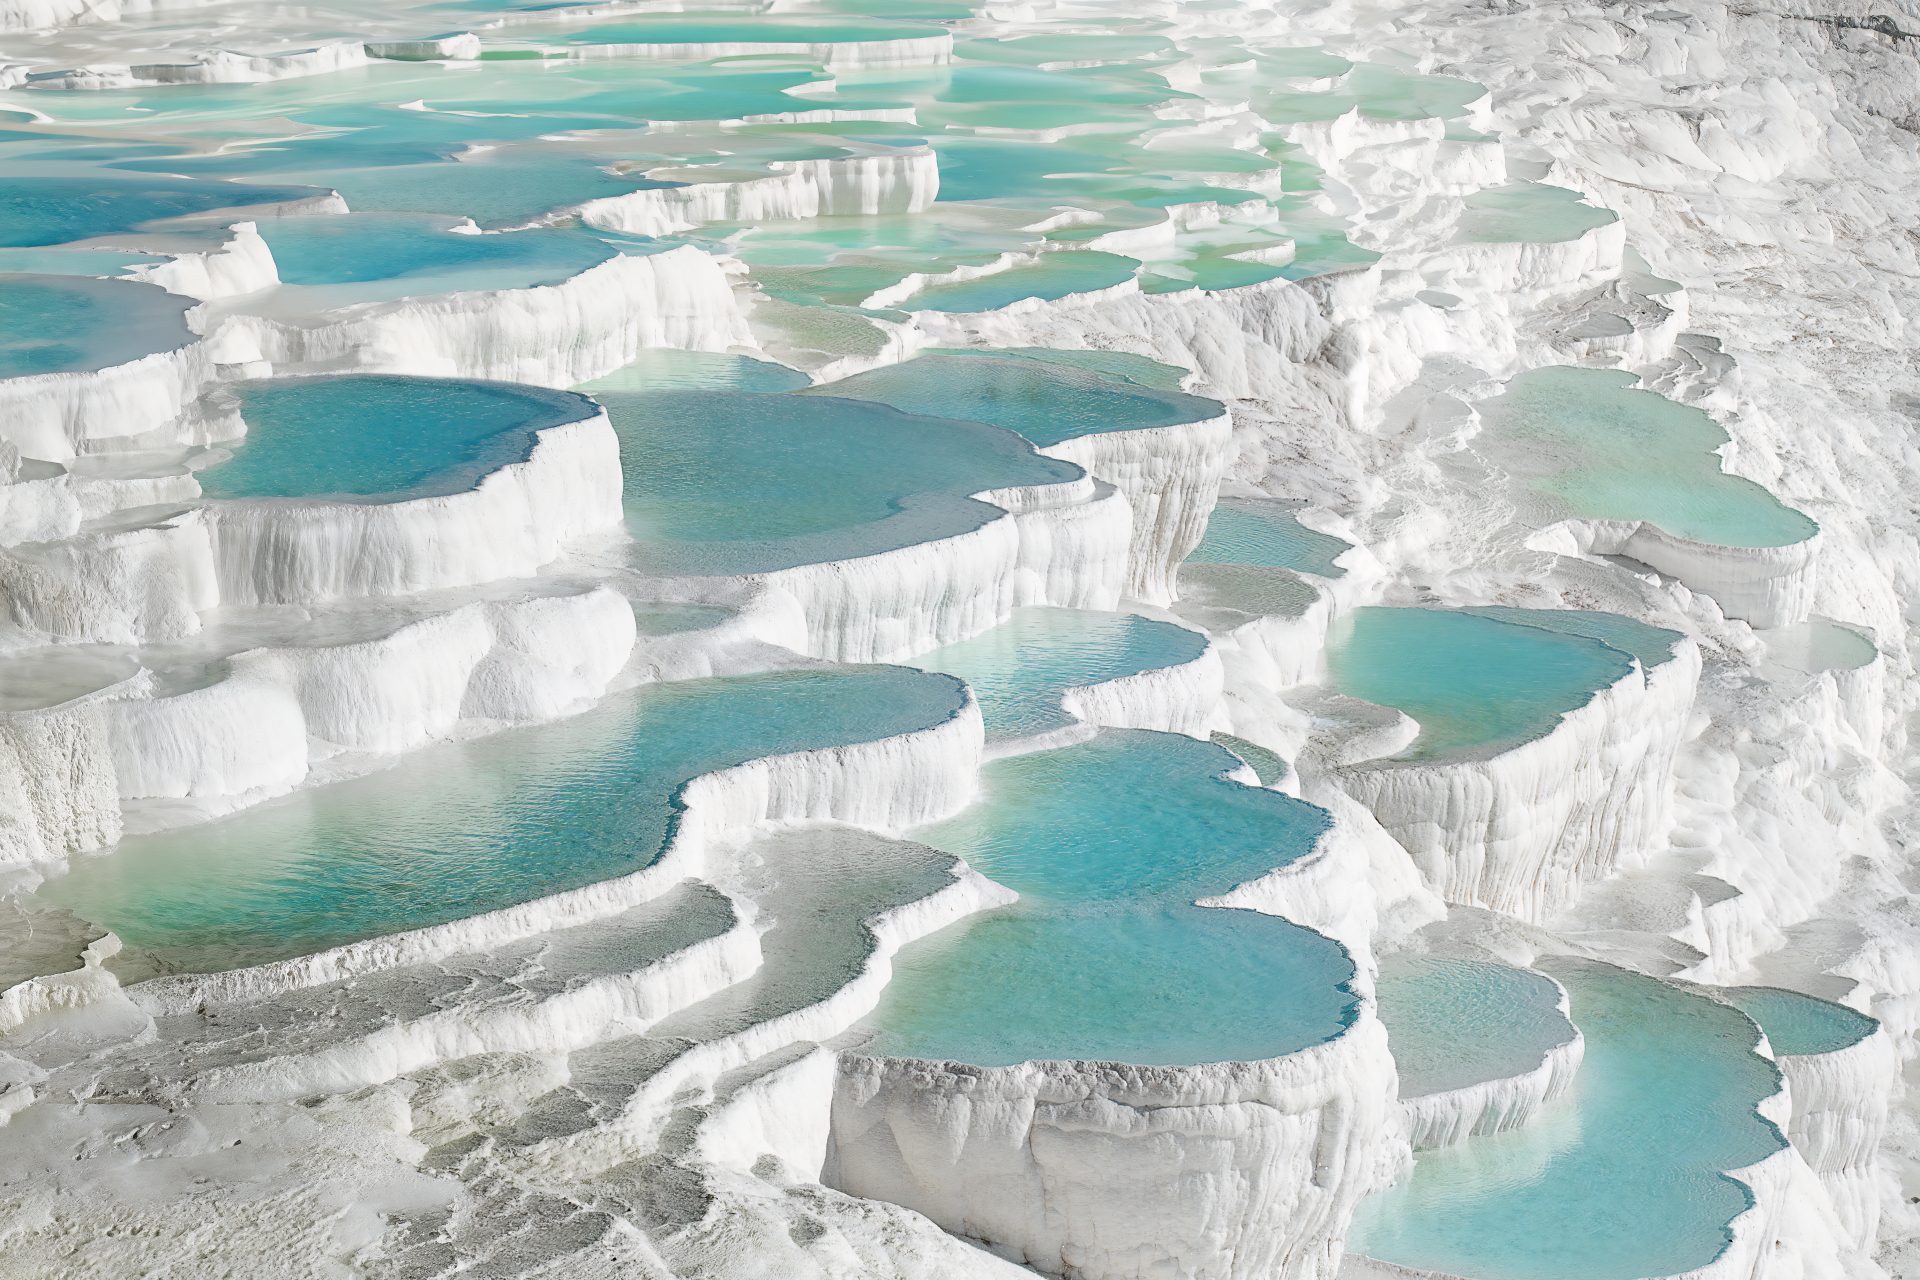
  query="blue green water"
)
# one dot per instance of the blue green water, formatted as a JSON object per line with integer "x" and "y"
{"x": 1624, "y": 1178}
{"x": 463, "y": 828}
{"x": 1055, "y": 275}
{"x": 1263, "y": 532}
{"x": 1593, "y": 445}
{"x": 1043, "y": 400}
{"x": 39, "y": 209}
{"x": 1105, "y": 957}
{"x": 1476, "y": 684}
{"x": 398, "y": 255}
{"x": 738, "y": 482}
{"x": 1019, "y": 670}
{"x": 1531, "y": 212}
{"x": 1454, "y": 1023}
{"x": 60, "y": 324}
{"x": 1797, "y": 1023}
{"x": 696, "y": 29}
{"x": 382, "y": 437}
{"x": 662, "y": 369}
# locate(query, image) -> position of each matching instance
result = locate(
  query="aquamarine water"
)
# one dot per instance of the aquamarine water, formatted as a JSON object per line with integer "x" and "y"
{"x": 1055, "y": 275}
{"x": 459, "y": 829}
{"x": 64, "y": 324}
{"x": 374, "y": 257}
{"x": 1454, "y": 1023}
{"x": 1105, "y": 957}
{"x": 1531, "y": 212}
{"x": 1820, "y": 645}
{"x": 1019, "y": 670}
{"x": 1045, "y": 401}
{"x": 1592, "y": 445}
{"x": 1476, "y": 685}
{"x": 38, "y": 209}
{"x": 1649, "y": 645}
{"x": 1265, "y": 533}
{"x": 1623, "y": 1179}
{"x": 1799, "y": 1024}
{"x": 662, "y": 369}
{"x": 737, "y": 482}
{"x": 380, "y": 437}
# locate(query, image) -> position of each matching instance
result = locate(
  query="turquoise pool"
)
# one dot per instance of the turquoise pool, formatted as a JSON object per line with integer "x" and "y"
{"x": 1454, "y": 1023}
{"x": 737, "y": 482}
{"x": 379, "y": 256}
{"x": 377, "y": 437}
{"x": 1108, "y": 843}
{"x": 1591, "y": 444}
{"x": 1044, "y": 400}
{"x": 1477, "y": 685}
{"x": 68, "y": 324}
{"x": 1623, "y": 1179}
{"x": 455, "y": 830}
{"x": 1264, "y": 533}
{"x": 1799, "y": 1024}
{"x": 1020, "y": 669}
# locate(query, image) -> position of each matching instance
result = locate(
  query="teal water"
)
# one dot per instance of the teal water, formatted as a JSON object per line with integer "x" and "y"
{"x": 1454, "y": 1023}
{"x": 469, "y": 827}
{"x": 1104, "y": 957}
{"x": 1593, "y": 445}
{"x": 1797, "y": 1023}
{"x": 662, "y": 369}
{"x": 1625, "y": 1178}
{"x": 65, "y": 324}
{"x": 1020, "y": 669}
{"x": 374, "y": 257}
{"x": 1477, "y": 685}
{"x": 737, "y": 482}
{"x": 693, "y": 28}
{"x": 1648, "y": 644}
{"x": 382, "y": 437}
{"x": 1043, "y": 400}
{"x": 1263, "y": 532}
{"x": 1531, "y": 212}
{"x": 1820, "y": 645}
{"x": 1055, "y": 275}
{"x": 40, "y": 209}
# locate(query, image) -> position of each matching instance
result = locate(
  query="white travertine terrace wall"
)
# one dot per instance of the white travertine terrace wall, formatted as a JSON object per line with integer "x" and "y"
{"x": 905, "y": 181}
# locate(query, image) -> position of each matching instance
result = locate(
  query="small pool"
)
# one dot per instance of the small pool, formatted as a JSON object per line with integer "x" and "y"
{"x": 1045, "y": 400}
{"x": 1104, "y": 957}
{"x": 1799, "y": 1024}
{"x": 1531, "y": 213}
{"x": 1265, "y": 533}
{"x": 721, "y": 482}
{"x": 31, "y": 679}
{"x": 1590, "y": 444}
{"x": 1454, "y": 1023}
{"x": 459, "y": 829}
{"x": 1820, "y": 645}
{"x": 1625, "y": 1178}
{"x": 374, "y": 257}
{"x": 382, "y": 438}
{"x": 71, "y": 324}
{"x": 1020, "y": 669}
{"x": 1477, "y": 685}
{"x": 663, "y": 369}
{"x": 1055, "y": 275}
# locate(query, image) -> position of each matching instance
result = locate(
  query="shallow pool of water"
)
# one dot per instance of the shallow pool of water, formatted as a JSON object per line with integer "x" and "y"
{"x": 68, "y": 324}
{"x": 1592, "y": 445}
{"x": 378, "y": 256}
{"x": 1624, "y": 1178}
{"x": 737, "y": 482}
{"x": 1264, "y": 532}
{"x": 380, "y": 437}
{"x": 1043, "y": 400}
{"x": 1454, "y": 1023}
{"x": 1530, "y": 212}
{"x": 1020, "y": 669}
{"x": 1796, "y": 1023}
{"x": 1476, "y": 685}
{"x": 1104, "y": 957}
{"x": 455, "y": 830}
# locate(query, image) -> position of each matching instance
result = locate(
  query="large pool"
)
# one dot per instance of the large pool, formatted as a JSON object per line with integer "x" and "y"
{"x": 69, "y": 324}
{"x": 1104, "y": 957}
{"x": 1588, "y": 443}
{"x": 1625, "y": 1178}
{"x": 455, "y": 830}
{"x": 382, "y": 438}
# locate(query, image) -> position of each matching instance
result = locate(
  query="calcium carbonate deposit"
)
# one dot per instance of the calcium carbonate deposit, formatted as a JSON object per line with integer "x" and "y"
{"x": 923, "y": 639}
